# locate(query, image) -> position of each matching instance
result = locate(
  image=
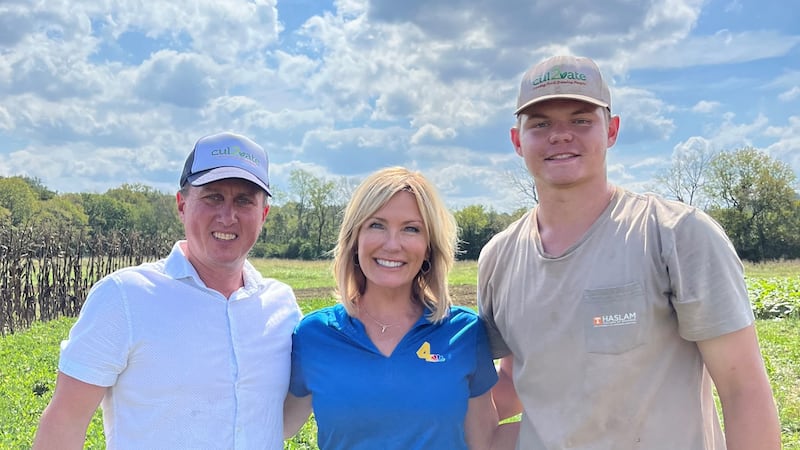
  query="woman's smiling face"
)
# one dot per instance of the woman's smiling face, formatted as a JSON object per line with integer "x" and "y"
{"x": 393, "y": 243}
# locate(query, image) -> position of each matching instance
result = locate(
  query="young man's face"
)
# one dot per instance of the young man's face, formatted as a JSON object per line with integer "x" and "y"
{"x": 222, "y": 221}
{"x": 564, "y": 142}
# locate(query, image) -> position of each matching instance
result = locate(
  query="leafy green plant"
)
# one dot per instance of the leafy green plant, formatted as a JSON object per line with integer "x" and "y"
{"x": 775, "y": 298}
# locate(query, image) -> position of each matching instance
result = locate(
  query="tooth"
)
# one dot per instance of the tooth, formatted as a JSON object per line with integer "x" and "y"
{"x": 386, "y": 263}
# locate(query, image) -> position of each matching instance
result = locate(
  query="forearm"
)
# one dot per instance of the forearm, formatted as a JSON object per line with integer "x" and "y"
{"x": 65, "y": 419}
{"x": 60, "y": 431}
{"x": 296, "y": 411}
{"x": 505, "y": 436}
{"x": 503, "y": 393}
{"x": 751, "y": 421}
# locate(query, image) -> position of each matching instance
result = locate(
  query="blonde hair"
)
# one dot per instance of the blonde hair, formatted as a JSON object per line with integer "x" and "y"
{"x": 430, "y": 288}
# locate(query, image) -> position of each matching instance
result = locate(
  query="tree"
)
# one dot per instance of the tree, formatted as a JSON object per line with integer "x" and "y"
{"x": 17, "y": 196}
{"x": 152, "y": 212}
{"x": 685, "y": 178}
{"x": 313, "y": 202}
{"x": 474, "y": 230}
{"x": 299, "y": 191}
{"x": 753, "y": 198}
{"x": 40, "y": 189}
{"x": 525, "y": 186}
{"x": 107, "y": 214}
{"x": 62, "y": 210}
{"x": 476, "y": 226}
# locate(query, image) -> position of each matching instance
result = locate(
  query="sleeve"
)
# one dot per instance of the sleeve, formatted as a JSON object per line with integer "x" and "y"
{"x": 486, "y": 264}
{"x": 485, "y": 375}
{"x": 297, "y": 383}
{"x": 709, "y": 292}
{"x": 97, "y": 349}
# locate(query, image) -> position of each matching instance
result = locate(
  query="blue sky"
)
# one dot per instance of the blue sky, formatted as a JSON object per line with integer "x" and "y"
{"x": 97, "y": 94}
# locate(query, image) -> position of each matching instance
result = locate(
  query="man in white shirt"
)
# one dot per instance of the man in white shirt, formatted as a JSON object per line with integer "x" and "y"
{"x": 192, "y": 351}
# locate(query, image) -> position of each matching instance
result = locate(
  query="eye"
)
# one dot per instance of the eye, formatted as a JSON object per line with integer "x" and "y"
{"x": 582, "y": 121}
{"x": 375, "y": 225}
{"x": 411, "y": 229}
{"x": 245, "y": 201}
{"x": 540, "y": 124}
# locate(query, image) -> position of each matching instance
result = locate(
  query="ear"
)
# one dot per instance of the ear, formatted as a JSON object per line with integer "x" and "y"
{"x": 613, "y": 131}
{"x": 180, "y": 201}
{"x": 264, "y": 214}
{"x": 514, "y": 132}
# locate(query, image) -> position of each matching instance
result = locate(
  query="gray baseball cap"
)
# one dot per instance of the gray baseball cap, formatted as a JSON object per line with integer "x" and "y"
{"x": 226, "y": 155}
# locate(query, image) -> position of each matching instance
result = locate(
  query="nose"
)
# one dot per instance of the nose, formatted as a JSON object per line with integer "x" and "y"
{"x": 227, "y": 214}
{"x": 559, "y": 132}
{"x": 392, "y": 241}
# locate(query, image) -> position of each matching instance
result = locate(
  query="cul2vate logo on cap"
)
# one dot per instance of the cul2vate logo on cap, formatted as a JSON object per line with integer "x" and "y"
{"x": 234, "y": 151}
{"x": 556, "y": 74}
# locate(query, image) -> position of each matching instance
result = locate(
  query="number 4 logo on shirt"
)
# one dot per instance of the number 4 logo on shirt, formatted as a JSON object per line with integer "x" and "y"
{"x": 424, "y": 353}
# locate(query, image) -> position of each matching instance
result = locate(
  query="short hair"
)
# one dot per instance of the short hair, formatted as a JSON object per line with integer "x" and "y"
{"x": 431, "y": 287}
{"x": 187, "y": 187}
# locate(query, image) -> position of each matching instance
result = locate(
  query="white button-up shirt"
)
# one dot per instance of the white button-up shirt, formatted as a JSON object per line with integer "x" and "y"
{"x": 186, "y": 367}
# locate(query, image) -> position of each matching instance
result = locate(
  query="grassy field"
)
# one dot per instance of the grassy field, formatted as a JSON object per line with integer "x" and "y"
{"x": 28, "y": 360}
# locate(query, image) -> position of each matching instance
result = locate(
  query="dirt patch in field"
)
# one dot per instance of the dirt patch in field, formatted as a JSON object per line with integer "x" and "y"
{"x": 308, "y": 294}
{"x": 463, "y": 294}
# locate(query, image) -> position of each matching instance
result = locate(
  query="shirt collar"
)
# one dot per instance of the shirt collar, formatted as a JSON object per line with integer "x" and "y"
{"x": 177, "y": 266}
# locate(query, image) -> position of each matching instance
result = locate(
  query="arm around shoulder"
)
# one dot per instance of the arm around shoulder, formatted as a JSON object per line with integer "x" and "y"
{"x": 65, "y": 419}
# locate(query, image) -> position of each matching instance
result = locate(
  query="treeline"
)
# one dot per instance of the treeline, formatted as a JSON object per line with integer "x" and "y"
{"x": 303, "y": 220}
{"x": 753, "y": 197}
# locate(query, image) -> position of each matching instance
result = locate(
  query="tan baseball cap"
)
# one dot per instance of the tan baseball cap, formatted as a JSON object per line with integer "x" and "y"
{"x": 572, "y": 77}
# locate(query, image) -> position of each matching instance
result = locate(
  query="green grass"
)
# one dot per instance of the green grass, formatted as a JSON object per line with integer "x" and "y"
{"x": 28, "y": 360}
{"x": 317, "y": 274}
{"x": 298, "y": 274}
{"x": 769, "y": 269}
{"x": 28, "y": 364}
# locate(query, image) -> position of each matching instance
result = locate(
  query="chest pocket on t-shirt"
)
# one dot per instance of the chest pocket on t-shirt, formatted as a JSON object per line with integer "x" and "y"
{"x": 613, "y": 318}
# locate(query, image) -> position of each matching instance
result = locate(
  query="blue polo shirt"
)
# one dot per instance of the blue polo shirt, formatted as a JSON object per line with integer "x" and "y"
{"x": 414, "y": 399}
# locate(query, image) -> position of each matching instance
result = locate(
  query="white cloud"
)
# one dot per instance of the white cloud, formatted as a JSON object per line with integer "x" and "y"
{"x": 734, "y": 6}
{"x": 184, "y": 80}
{"x": 730, "y": 135}
{"x": 431, "y": 132}
{"x": 787, "y": 146}
{"x": 705, "y": 106}
{"x": 643, "y": 115}
{"x": 724, "y": 47}
{"x": 790, "y": 95}
{"x": 98, "y": 93}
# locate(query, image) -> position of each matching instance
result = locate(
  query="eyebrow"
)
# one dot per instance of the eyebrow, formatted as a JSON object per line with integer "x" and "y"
{"x": 419, "y": 221}
{"x": 578, "y": 111}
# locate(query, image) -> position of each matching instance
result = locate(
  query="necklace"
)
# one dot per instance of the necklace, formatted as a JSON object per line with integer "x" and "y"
{"x": 380, "y": 324}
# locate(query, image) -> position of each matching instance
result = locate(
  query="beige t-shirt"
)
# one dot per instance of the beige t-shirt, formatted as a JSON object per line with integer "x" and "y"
{"x": 603, "y": 336}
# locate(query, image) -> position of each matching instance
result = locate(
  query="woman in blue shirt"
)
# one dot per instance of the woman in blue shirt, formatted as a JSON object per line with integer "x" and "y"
{"x": 394, "y": 365}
